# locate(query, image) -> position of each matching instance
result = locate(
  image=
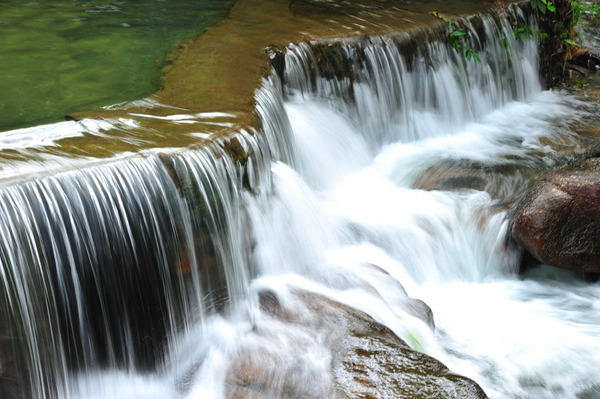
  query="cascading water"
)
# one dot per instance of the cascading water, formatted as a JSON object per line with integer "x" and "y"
{"x": 365, "y": 147}
{"x": 99, "y": 265}
{"x": 151, "y": 277}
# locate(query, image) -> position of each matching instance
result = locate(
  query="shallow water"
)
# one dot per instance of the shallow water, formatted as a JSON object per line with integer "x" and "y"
{"x": 58, "y": 57}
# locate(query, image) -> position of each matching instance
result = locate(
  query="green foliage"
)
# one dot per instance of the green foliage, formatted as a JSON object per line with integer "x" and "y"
{"x": 522, "y": 31}
{"x": 577, "y": 8}
{"x": 591, "y": 8}
{"x": 580, "y": 7}
{"x": 470, "y": 53}
{"x": 543, "y": 5}
{"x": 570, "y": 42}
{"x": 455, "y": 38}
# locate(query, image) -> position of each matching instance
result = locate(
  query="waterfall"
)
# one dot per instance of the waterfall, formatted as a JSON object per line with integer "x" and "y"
{"x": 474, "y": 136}
{"x": 388, "y": 91}
{"x": 383, "y": 166}
{"x": 100, "y": 265}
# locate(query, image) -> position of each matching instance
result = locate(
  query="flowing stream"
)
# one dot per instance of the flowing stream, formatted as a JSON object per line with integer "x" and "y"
{"x": 399, "y": 173}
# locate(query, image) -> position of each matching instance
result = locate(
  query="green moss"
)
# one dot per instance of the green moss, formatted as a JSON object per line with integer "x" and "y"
{"x": 414, "y": 341}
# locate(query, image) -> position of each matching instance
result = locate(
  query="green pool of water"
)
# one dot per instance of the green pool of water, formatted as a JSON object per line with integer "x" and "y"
{"x": 63, "y": 56}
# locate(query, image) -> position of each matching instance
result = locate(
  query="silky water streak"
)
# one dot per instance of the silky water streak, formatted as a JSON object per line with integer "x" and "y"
{"x": 101, "y": 266}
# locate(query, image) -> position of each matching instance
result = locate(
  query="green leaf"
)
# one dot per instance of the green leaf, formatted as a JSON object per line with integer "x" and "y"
{"x": 539, "y": 5}
{"x": 542, "y": 7}
{"x": 455, "y": 44}
{"x": 522, "y": 31}
{"x": 528, "y": 29}
{"x": 516, "y": 33}
{"x": 470, "y": 54}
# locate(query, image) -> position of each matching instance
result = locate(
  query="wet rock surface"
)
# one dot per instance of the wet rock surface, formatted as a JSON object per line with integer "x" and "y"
{"x": 505, "y": 183}
{"x": 452, "y": 179}
{"x": 357, "y": 358}
{"x": 558, "y": 221}
{"x": 372, "y": 362}
{"x": 12, "y": 385}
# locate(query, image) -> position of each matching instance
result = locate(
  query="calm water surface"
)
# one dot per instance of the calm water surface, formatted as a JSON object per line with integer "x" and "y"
{"x": 61, "y": 56}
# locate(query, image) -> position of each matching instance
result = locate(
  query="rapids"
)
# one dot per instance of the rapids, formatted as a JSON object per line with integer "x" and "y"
{"x": 338, "y": 179}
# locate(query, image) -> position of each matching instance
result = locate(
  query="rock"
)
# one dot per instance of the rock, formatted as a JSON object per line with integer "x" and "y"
{"x": 236, "y": 151}
{"x": 372, "y": 362}
{"x": 360, "y": 358}
{"x": 579, "y": 70}
{"x": 277, "y": 59}
{"x": 420, "y": 310}
{"x": 584, "y": 58}
{"x": 558, "y": 221}
{"x": 333, "y": 60}
{"x": 452, "y": 178}
{"x": 12, "y": 374}
{"x": 414, "y": 307}
{"x": 504, "y": 182}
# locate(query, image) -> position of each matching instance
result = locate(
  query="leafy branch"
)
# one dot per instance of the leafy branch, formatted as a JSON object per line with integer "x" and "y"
{"x": 543, "y": 5}
{"x": 455, "y": 38}
{"x": 522, "y": 31}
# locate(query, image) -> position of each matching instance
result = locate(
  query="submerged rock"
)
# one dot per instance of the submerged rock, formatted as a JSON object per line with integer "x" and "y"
{"x": 452, "y": 178}
{"x": 335, "y": 351}
{"x": 558, "y": 221}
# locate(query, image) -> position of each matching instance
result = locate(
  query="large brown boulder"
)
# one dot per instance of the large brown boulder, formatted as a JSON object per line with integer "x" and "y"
{"x": 558, "y": 221}
{"x": 360, "y": 358}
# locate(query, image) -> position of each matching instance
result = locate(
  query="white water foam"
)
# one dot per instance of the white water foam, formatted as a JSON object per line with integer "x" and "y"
{"x": 531, "y": 337}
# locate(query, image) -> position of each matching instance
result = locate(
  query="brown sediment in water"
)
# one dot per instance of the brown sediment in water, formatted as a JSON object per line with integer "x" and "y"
{"x": 221, "y": 70}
